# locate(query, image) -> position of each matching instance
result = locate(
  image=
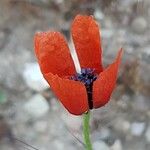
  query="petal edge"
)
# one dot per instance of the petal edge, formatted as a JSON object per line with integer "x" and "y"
{"x": 72, "y": 94}
{"x": 86, "y": 37}
{"x": 104, "y": 85}
{"x": 53, "y": 53}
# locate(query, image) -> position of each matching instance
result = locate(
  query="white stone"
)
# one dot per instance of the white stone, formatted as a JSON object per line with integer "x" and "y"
{"x": 107, "y": 33}
{"x": 104, "y": 133}
{"x": 37, "y": 106}
{"x": 59, "y": 1}
{"x": 147, "y": 134}
{"x": 73, "y": 122}
{"x": 146, "y": 50}
{"x": 137, "y": 128}
{"x": 146, "y": 54}
{"x": 98, "y": 14}
{"x": 122, "y": 125}
{"x": 117, "y": 145}
{"x": 41, "y": 126}
{"x": 100, "y": 145}
{"x": 140, "y": 103}
{"x": 59, "y": 145}
{"x": 34, "y": 78}
{"x": 139, "y": 25}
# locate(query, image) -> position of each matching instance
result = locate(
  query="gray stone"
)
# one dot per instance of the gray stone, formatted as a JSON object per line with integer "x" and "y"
{"x": 59, "y": 145}
{"x": 41, "y": 126}
{"x": 33, "y": 77}
{"x": 147, "y": 134}
{"x": 139, "y": 25}
{"x": 98, "y": 14}
{"x": 137, "y": 128}
{"x": 140, "y": 103}
{"x": 117, "y": 145}
{"x": 59, "y": 1}
{"x": 73, "y": 122}
{"x": 100, "y": 145}
{"x": 122, "y": 125}
{"x": 2, "y": 39}
{"x": 144, "y": 73}
{"x": 123, "y": 103}
{"x": 105, "y": 133}
{"x": 107, "y": 33}
{"x": 146, "y": 54}
{"x": 36, "y": 107}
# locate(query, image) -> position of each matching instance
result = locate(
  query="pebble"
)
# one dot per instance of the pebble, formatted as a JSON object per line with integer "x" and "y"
{"x": 107, "y": 33}
{"x": 98, "y": 14}
{"x": 100, "y": 145}
{"x": 123, "y": 103}
{"x": 33, "y": 77}
{"x": 137, "y": 128}
{"x": 36, "y": 107}
{"x": 146, "y": 54}
{"x": 147, "y": 134}
{"x": 105, "y": 133}
{"x": 117, "y": 145}
{"x": 73, "y": 122}
{"x": 54, "y": 104}
{"x": 2, "y": 39}
{"x": 140, "y": 103}
{"x": 122, "y": 125}
{"x": 59, "y": 1}
{"x": 41, "y": 126}
{"x": 139, "y": 25}
{"x": 59, "y": 145}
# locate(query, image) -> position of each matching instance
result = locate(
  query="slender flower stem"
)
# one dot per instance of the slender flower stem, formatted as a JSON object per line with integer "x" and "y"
{"x": 86, "y": 131}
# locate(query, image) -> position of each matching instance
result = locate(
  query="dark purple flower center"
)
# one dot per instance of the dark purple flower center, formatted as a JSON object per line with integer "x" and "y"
{"x": 87, "y": 77}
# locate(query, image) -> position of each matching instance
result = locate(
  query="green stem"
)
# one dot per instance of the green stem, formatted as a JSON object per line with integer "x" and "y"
{"x": 86, "y": 131}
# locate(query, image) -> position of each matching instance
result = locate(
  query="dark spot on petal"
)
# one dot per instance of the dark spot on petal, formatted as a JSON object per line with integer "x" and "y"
{"x": 87, "y": 77}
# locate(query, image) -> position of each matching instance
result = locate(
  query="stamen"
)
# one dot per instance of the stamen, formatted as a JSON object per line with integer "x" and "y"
{"x": 87, "y": 77}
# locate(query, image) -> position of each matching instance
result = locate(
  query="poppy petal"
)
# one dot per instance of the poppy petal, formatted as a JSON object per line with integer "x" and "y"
{"x": 104, "y": 85}
{"x": 53, "y": 54}
{"x": 72, "y": 94}
{"x": 86, "y": 37}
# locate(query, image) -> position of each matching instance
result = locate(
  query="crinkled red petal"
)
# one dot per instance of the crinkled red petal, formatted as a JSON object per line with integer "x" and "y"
{"x": 104, "y": 85}
{"x": 53, "y": 54}
{"x": 86, "y": 37}
{"x": 72, "y": 94}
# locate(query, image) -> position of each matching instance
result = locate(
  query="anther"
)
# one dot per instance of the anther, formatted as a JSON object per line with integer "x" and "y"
{"x": 87, "y": 77}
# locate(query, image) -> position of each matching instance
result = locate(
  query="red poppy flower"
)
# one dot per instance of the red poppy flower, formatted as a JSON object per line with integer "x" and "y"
{"x": 93, "y": 86}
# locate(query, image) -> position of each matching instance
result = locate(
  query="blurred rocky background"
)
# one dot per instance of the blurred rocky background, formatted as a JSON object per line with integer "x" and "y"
{"x": 31, "y": 118}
